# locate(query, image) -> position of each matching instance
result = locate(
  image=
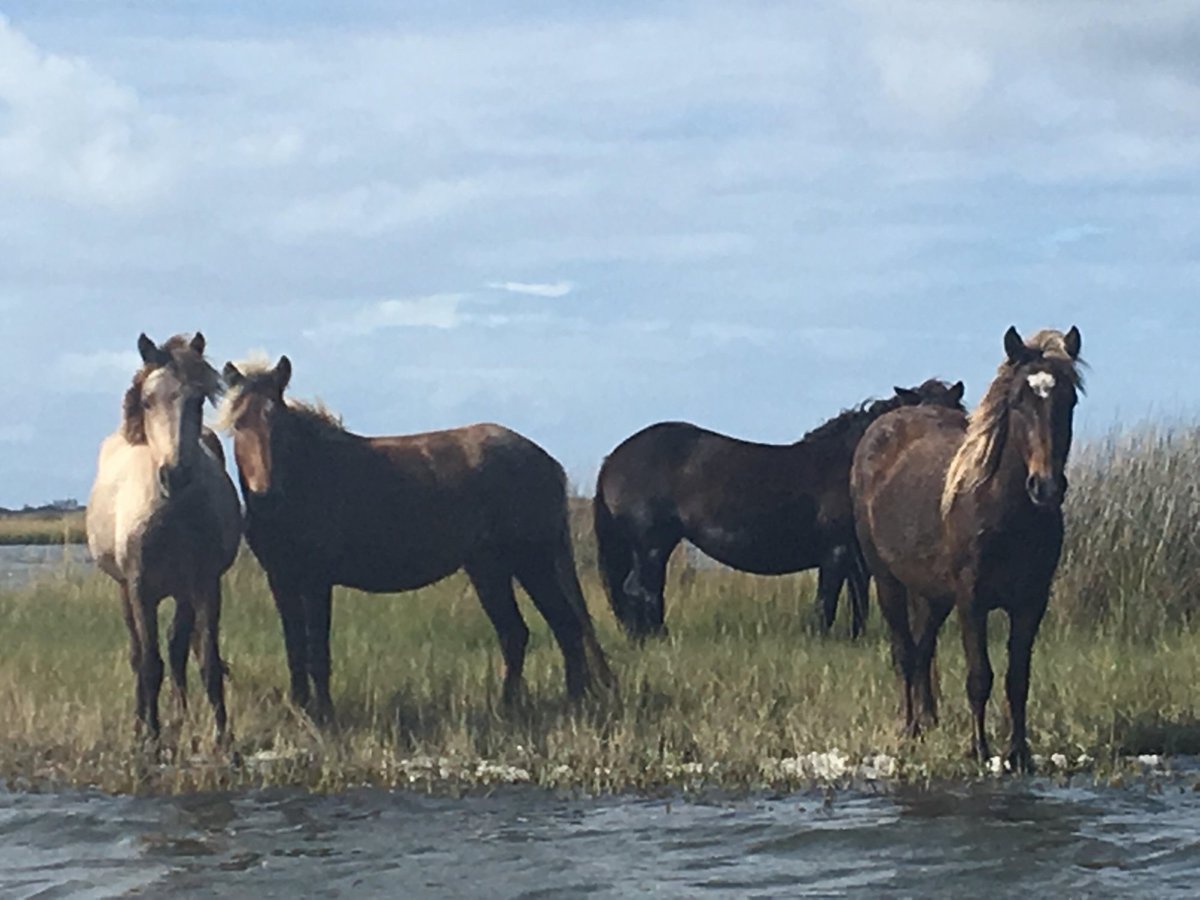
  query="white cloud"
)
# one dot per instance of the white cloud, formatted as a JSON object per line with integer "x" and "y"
{"x": 433, "y": 311}
{"x": 534, "y": 289}
{"x": 71, "y": 133}
{"x": 95, "y": 372}
{"x": 755, "y": 186}
{"x": 371, "y": 210}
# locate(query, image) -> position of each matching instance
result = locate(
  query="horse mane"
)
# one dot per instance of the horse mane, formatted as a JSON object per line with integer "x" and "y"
{"x": 189, "y": 367}
{"x": 860, "y": 416}
{"x": 854, "y": 417}
{"x": 314, "y": 418}
{"x": 978, "y": 456}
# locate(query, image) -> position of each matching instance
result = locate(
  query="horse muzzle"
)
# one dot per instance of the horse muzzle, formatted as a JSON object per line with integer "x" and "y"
{"x": 1046, "y": 492}
{"x": 173, "y": 479}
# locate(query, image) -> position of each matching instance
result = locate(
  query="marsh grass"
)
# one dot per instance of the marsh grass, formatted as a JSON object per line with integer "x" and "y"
{"x": 744, "y": 695}
{"x": 42, "y": 528}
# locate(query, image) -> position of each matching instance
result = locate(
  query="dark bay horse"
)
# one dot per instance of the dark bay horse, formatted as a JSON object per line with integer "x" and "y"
{"x": 762, "y": 508}
{"x": 163, "y": 520}
{"x": 966, "y": 513}
{"x": 325, "y": 506}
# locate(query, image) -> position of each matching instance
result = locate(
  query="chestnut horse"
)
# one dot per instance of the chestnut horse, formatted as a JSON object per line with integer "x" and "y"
{"x": 325, "y": 506}
{"x": 966, "y": 513}
{"x": 762, "y": 508}
{"x": 163, "y": 519}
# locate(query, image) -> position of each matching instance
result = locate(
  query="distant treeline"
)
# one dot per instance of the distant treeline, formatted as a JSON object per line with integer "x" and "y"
{"x": 60, "y": 522}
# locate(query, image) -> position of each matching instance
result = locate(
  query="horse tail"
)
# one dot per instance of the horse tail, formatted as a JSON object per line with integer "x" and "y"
{"x": 568, "y": 581}
{"x": 860, "y": 583}
{"x": 614, "y": 553}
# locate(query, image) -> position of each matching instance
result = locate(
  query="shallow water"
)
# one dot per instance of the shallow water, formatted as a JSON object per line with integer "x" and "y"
{"x": 999, "y": 839}
{"x": 21, "y": 563}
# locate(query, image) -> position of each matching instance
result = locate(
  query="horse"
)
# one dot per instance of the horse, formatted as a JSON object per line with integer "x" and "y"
{"x": 763, "y": 508}
{"x": 957, "y": 512}
{"x": 163, "y": 519}
{"x": 325, "y": 507}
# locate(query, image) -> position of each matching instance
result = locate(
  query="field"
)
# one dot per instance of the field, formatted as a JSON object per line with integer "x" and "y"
{"x": 42, "y": 528}
{"x": 745, "y": 693}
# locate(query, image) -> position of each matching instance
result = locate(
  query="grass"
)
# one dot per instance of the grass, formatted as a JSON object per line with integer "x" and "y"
{"x": 42, "y": 528}
{"x": 744, "y": 695}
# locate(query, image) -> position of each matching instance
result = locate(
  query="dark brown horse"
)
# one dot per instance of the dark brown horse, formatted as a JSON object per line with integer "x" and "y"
{"x": 325, "y": 506}
{"x": 762, "y": 508}
{"x": 965, "y": 513}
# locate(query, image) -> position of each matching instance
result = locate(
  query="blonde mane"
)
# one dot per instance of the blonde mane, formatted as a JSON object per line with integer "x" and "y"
{"x": 978, "y": 456}
{"x": 254, "y": 368}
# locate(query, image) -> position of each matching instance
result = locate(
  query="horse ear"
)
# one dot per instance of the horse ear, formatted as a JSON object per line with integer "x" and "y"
{"x": 232, "y": 374}
{"x": 151, "y": 354}
{"x": 1014, "y": 345}
{"x": 1073, "y": 341}
{"x": 908, "y": 395}
{"x": 197, "y": 343}
{"x": 956, "y": 391}
{"x": 283, "y": 373}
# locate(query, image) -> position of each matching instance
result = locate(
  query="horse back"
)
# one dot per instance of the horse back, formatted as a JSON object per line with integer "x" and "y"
{"x": 396, "y": 512}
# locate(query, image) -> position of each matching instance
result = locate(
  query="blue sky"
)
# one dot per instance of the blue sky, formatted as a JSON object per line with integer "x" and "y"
{"x": 580, "y": 219}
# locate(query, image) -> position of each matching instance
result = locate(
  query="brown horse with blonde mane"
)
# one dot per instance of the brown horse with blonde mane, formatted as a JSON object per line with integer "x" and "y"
{"x": 163, "y": 520}
{"x": 325, "y": 506}
{"x": 966, "y": 513}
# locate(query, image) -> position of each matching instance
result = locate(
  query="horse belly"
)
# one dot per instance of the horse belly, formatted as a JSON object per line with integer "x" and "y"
{"x": 771, "y": 551}
{"x": 387, "y": 570}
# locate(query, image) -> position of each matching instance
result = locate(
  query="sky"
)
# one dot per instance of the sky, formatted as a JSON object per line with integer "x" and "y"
{"x": 578, "y": 219}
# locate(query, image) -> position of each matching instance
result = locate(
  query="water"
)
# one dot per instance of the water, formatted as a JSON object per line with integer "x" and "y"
{"x": 19, "y": 564}
{"x": 997, "y": 840}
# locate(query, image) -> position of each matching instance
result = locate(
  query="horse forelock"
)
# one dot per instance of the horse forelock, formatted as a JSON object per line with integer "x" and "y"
{"x": 978, "y": 456}
{"x": 257, "y": 372}
{"x": 190, "y": 367}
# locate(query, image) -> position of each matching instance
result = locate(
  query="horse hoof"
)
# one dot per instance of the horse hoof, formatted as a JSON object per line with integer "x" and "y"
{"x": 1020, "y": 761}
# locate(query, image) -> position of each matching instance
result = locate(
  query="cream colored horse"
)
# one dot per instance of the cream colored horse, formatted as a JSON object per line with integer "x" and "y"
{"x": 163, "y": 520}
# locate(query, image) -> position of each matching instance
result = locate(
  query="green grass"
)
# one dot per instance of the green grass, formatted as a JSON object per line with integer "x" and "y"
{"x": 42, "y": 528}
{"x": 738, "y": 698}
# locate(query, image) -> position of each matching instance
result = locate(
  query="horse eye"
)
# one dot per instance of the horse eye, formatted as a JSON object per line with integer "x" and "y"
{"x": 146, "y": 403}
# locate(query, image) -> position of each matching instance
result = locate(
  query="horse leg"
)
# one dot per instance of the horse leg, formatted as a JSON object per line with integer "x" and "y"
{"x": 1022, "y": 629}
{"x": 212, "y": 669}
{"x": 831, "y": 576}
{"x": 150, "y": 672}
{"x": 291, "y": 618}
{"x": 493, "y": 584}
{"x": 973, "y": 621}
{"x": 135, "y": 654}
{"x": 646, "y": 583}
{"x": 933, "y": 614}
{"x": 179, "y": 640}
{"x": 860, "y": 597}
{"x": 893, "y": 604}
{"x": 536, "y": 574}
{"x": 318, "y": 607}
